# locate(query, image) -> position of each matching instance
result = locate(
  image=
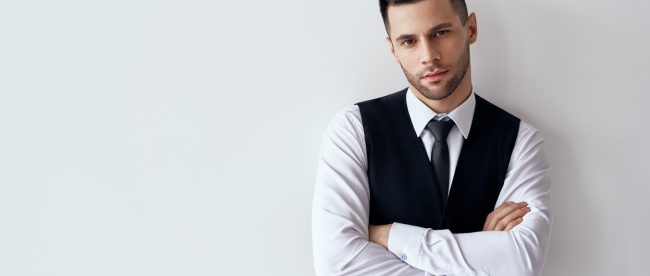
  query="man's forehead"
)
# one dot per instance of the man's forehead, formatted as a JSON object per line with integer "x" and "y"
{"x": 420, "y": 16}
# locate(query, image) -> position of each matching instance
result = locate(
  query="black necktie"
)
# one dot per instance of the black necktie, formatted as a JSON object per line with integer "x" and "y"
{"x": 440, "y": 154}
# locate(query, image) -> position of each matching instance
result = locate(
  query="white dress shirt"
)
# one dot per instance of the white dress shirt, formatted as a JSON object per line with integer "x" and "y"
{"x": 340, "y": 211}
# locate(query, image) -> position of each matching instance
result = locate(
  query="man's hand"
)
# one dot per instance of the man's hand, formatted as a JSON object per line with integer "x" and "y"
{"x": 506, "y": 216}
{"x": 379, "y": 234}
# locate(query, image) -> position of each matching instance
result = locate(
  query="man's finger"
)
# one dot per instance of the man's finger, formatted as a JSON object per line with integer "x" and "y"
{"x": 519, "y": 213}
{"x": 513, "y": 223}
{"x": 501, "y": 212}
{"x": 488, "y": 220}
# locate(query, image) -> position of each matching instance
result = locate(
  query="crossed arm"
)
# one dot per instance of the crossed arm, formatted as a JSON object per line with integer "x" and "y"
{"x": 503, "y": 218}
{"x": 341, "y": 236}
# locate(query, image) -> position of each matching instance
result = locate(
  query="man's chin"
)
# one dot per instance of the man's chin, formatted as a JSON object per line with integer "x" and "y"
{"x": 435, "y": 94}
{"x": 433, "y": 86}
{"x": 437, "y": 97}
{"x": 432, "y": 91}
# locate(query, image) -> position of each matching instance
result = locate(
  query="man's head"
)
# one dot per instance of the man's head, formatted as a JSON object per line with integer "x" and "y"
{"x": 430, "y": 40}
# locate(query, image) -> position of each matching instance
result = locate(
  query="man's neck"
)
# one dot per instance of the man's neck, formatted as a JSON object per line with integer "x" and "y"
{"x": 448, "y": 104}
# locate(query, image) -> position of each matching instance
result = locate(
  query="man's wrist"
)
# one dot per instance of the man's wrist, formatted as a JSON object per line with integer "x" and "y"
{"x": 379, "y": 234}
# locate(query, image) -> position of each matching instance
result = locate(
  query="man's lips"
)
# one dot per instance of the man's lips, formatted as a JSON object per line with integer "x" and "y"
{"x": 435, "y": 75}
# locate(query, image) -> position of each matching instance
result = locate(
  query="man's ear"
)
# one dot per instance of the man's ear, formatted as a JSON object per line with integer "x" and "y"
{"x": 390, "y": 45}
{"x": 473, "y": 28}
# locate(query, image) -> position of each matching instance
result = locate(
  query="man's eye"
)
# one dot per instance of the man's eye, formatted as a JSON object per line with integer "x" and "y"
{"x": 442, "y": 33}
{"x": 408, "y": 42}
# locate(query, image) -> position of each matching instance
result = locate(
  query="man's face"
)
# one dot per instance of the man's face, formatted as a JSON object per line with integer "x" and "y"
{"x": 431, "y": 45}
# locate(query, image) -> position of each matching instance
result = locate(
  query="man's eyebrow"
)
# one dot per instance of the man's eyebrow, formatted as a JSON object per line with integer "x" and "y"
{"x": 404, "y": 37}
{"x": 434, "y": 29}
{"x": 439, "y": 27}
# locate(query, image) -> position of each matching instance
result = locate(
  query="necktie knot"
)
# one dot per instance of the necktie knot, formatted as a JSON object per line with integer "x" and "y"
{"x": 440, "y": 129}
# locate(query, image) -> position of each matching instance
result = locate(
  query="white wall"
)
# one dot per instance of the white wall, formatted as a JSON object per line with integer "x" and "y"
{"x": 181, "y": 137}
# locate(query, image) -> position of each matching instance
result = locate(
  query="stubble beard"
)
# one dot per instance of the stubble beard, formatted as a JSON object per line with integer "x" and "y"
{"x": 439, "y": 93}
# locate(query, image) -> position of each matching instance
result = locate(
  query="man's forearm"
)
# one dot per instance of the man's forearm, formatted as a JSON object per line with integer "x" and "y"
{"x": 517, "y": 252}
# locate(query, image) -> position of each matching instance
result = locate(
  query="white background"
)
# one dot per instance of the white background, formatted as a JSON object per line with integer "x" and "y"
{"x": 181, "y": 137}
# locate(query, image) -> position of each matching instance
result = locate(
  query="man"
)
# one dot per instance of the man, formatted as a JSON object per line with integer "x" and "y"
{"x": 424, "y": 181}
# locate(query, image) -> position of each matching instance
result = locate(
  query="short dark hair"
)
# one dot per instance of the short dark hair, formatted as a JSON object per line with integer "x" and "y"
{"x": 460, "y": 7}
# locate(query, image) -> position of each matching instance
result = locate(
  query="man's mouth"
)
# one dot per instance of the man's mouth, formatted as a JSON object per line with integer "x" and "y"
{"x": 436, "y": 75}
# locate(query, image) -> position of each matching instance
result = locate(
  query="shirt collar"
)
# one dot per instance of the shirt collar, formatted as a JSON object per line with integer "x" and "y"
{"x": 421, "y": 114}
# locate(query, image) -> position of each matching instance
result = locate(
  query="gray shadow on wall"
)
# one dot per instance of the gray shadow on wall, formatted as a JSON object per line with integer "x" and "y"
{"x": 578, "y": 230}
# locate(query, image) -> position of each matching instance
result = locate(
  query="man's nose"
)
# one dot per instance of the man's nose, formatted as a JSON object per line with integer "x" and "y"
{"x": 429, "y": 53}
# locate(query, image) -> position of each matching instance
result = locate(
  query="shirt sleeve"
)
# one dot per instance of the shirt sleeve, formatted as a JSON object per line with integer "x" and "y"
{"x": 520, "y": 251}
{"x": 340, "y": 211}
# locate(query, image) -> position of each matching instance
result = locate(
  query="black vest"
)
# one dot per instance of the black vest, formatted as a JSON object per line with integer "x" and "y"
{"x": 402, "y": 187}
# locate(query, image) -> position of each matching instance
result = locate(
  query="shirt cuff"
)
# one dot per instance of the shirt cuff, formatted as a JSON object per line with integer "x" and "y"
{"x": 405, "y": 241}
